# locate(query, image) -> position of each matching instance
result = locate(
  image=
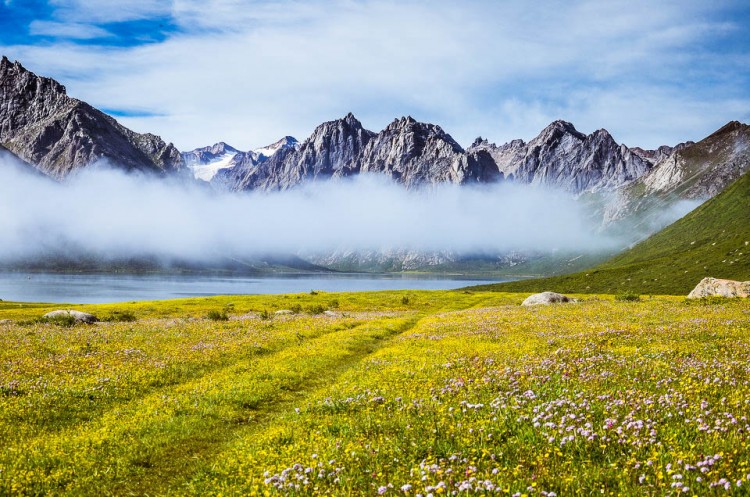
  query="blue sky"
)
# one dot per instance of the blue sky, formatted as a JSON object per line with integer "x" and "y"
{"x": 249, "y": 72}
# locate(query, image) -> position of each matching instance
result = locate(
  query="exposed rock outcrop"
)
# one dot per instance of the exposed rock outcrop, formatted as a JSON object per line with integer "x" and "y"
{"x": 42, "y": 125}
{"x": 545, "y": 298}
{"x": 714, "y": 287}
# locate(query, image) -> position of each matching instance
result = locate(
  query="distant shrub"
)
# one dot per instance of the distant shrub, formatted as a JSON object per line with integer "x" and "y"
{"x": 316, "y": 309}
{"x": 217, "y": 315}
{"x": 264, "y": 314}
{"x": 628, "y": 297}
{"x": 313, "y": 292}
{"x": 405, "y": 300}
{"x": 296, "y": 308}
{"x": 333, "y": 304}
{"x": 64, "y": 320}
{"x": 120, "y": 317}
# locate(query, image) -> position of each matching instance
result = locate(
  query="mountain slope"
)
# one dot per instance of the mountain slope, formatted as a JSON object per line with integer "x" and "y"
{"x": 713, "y": 240}
{"x": 692, "y": 171}
{"x": 42, "y": 125}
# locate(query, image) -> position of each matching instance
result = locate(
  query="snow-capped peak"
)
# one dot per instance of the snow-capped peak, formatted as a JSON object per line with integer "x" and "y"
{"x": 270, "y": 150}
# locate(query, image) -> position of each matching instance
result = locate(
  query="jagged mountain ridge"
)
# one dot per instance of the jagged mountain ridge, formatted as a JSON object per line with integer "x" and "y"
{"x": 414, "y": 154}
{"x": 42, "y": 125}
{"x": 206, "y": 162}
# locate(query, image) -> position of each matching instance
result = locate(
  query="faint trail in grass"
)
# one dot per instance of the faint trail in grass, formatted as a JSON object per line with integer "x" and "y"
{"x": 169, "y": 469}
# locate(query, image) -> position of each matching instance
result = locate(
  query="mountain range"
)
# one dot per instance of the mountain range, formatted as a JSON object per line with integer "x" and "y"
{"x": 626, "y": 189}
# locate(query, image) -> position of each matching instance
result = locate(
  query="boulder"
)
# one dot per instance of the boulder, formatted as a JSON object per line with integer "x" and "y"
{"x": 714, "y": 287}
{"x": 545, "y": 298}
{"x": 81, "y": 317}
{"x": 283, "y": 312}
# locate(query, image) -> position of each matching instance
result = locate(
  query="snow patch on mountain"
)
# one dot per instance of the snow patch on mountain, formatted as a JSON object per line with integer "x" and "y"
{"x": 206, "y": 172}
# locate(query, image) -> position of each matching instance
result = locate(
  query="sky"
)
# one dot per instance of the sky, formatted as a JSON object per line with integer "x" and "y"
{"x": 249, "y": 72}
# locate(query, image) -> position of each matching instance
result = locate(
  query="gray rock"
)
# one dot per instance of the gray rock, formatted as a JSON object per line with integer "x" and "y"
{"x": 545, "y": 298}
{"x": 81, "y": 317}
{"x": 714, "y": 287}
{"x": 6, "y": 321}
{"x": 42, "y": 125}
{"x": 283, "y": 312}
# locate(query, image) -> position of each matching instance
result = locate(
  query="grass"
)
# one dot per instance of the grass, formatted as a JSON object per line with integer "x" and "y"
{"x": 397, "y": 393}
{"x": 713, "y": 240}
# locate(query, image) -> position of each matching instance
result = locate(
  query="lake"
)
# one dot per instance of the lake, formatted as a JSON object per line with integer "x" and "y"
{"x": 104, "y": 288}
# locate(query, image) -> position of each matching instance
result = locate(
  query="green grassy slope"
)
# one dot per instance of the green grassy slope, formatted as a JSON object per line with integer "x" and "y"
{"x": 713, "y": 240}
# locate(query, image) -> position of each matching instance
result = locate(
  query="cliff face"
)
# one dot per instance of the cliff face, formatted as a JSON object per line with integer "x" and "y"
{"x": 42, "y": 125}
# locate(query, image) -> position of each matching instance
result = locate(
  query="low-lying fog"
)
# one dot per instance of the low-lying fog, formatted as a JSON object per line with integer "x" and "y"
{"x": 114, "y": 214}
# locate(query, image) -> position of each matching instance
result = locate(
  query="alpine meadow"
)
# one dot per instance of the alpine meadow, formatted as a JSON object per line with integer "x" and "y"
{"x": 240, "y": 257}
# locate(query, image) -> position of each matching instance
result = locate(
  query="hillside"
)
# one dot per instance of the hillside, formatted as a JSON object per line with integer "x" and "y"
{"x": 713, "y": 240}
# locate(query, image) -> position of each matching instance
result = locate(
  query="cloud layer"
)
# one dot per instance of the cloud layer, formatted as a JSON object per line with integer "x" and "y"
{"x": 250, "y": 72}
{"x": 111, "y": 214}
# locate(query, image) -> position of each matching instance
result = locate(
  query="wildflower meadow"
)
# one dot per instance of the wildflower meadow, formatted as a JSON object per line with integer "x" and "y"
{"x": 385, "y": 393}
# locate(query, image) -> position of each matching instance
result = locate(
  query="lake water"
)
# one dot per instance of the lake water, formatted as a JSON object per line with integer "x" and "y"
{"x": 103, "y": 288}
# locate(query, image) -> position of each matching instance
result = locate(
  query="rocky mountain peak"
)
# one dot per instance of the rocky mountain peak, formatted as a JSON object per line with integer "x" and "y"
{"x": 730, "y": 127}
{"x": 270, "y": 150}
{"x": 480, "y": 142}
{"x": 222, "y": 147}
{"x": 414, "y": 153}
{"x": 42, "y": 125}
{"x": 560, "y": 127}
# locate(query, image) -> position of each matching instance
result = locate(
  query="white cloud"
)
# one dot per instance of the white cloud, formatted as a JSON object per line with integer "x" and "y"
{"x": 106, "y": 11}
{"x": 67, "y": 30}
{"x": 250, "y": 72}
{"x": 185, "y": 221}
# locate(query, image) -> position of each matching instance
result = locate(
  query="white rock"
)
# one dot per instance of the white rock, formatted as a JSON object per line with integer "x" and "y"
{"x": 545, "y": 298}
{"x": 81, "y": 317}
{"x": 714, "y": 287}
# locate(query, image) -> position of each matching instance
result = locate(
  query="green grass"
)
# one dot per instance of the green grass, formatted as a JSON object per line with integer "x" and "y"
{"x": 401, "y": 392}
{"x": 713, "y": 240}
